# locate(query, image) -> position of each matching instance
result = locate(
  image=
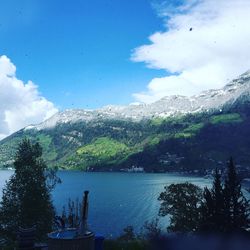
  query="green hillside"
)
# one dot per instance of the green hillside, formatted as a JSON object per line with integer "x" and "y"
{"x": 102, "y": 150}
{"x": 180, "y": 143}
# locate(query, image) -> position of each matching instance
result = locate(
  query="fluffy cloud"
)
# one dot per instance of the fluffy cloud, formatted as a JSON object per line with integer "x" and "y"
{"x": 205, "y": 44}
{"x": 20, "y": 103}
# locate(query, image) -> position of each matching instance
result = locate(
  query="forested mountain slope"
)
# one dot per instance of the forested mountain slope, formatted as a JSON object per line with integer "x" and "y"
{"x": 174, "y": 134}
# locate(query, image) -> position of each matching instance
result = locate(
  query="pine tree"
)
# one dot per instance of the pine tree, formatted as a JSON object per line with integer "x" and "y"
{"x": 224, "y": 208}
{"x": 26, "y": 199}
{"x": 217, "y": 194}
{"x": 236, "y": 205}
{"x": 207, "y": 208}
{"x": 212, "y": 211}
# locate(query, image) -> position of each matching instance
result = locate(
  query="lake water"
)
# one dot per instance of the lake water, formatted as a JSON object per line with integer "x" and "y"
{"x": 116, "y": 200}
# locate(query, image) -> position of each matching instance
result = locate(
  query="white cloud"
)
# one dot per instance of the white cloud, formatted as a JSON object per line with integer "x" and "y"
{"x": 20, "y": 103}
{"x": 216, "y": 50}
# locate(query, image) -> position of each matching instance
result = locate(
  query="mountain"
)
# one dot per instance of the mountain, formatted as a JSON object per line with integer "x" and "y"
{"x": 176, "y": 133}
{"x": 167, "y": 106}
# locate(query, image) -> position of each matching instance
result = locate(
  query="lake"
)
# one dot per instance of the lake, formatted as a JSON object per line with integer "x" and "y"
{"x": 116, "y": 200}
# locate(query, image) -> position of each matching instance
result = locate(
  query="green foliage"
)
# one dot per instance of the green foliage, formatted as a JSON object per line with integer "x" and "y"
{"x": 182, "y": 202}
{"x": 158, "y": 121}
{"x": 183, "y": 135}
{"x": 222, "y": 209}
{"x": 200, "y": 140}
{"x": 153, "y": 139}
{"x": 103, "y": 148}
{"x": 194, "y": 128}
{"x": 204, "y": 149}
{"x": 47, "y": 144}
{"x": 101, "y": 151}
{"x": 7, "y": 152}
{"x": 225, "y": 209}
{"x": 8, "y": 148}
{"x": 44, "y": 140}
{"x": 213, "y": 207}
{"x": 26, "y": 197}
{"x": 226, "y": 118}
{"x": 237, "y": 209}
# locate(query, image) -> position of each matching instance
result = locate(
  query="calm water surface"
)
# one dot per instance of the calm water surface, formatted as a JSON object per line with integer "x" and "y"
{"x": 116, "y": 199}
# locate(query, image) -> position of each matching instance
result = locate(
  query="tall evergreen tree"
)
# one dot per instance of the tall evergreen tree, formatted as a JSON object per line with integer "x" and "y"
{"x": 236, "y": 206}
{"x": 212, "y": 211}
{"x": 26, "y": 199}
{"x": 217, "y": 194}
{"x": 206, "y": 219}
{"x": 225, "y": 209}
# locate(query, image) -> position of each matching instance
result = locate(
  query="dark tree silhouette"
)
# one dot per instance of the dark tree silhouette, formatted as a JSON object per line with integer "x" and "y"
{"x": 236, "y": 205}
{"x": 207, "y": 206}
{"x": 221, "y": 209}
{"x": 26, "y": 197}
{"x": 217, "y": 193}
{"x": 212, "y": 209}
{"x": 182, "y": 202}
{"x": 224, "y": 208}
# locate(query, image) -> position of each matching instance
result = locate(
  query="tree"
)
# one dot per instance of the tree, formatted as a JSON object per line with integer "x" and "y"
{"x": 182, "y": 202}
{"x": 26, "y": 199}
{"x": 206, "y": 222}
{"x": 224, "y": 208}
{"x": 213, "y": 207}
{"x": 236, "y": 206}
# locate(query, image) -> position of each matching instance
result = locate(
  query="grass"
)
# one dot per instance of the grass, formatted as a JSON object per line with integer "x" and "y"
{"x": 183, "y": 135}
{"x": 49, "y": 151}
{"x": 44, "y": 140}
{"x": 153, "y": 139}
{"x": 226, "y": 118}
{"x": 157, "y": 121}
{"x": 194, "y": 128}
{"x": 103, "y": 148}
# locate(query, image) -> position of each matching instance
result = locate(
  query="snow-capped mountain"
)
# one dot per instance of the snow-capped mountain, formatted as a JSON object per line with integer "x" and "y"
{"x": 167, "y": 106}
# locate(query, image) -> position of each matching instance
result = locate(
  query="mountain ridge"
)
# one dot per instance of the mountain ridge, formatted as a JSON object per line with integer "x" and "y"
{"x": 165, "y": 107}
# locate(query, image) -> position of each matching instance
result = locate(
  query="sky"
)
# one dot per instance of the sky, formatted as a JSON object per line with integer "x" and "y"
{"x": 59, "y": 54}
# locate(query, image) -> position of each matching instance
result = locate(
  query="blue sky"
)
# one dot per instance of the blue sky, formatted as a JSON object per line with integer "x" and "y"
{"x": 78, "y": 52}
